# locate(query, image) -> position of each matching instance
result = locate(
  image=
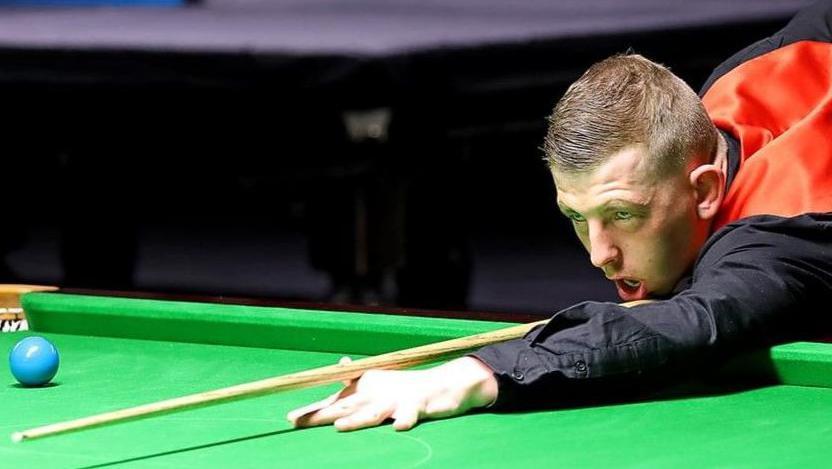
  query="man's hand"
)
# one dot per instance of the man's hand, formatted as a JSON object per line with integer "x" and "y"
{"x": 404, "y": 396}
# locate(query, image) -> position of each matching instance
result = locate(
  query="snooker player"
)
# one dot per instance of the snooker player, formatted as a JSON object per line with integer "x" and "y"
{"x": 719, "y": 208}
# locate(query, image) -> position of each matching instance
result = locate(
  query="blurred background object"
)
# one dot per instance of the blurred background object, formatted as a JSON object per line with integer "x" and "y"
{"x": 366, "y": 152}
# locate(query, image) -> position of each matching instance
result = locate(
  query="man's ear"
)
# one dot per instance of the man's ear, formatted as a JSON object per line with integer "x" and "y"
{"x": 708, "y": 181}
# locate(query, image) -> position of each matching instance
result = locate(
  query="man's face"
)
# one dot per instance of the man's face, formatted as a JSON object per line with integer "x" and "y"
{"x": 640, "y": 228}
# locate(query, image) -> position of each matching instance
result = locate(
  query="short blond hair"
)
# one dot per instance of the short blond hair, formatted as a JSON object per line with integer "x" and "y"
{"x": 623, "y": 101}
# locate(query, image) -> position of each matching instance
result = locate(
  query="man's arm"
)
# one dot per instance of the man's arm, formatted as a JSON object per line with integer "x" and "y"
{"x": 753, "y": 285}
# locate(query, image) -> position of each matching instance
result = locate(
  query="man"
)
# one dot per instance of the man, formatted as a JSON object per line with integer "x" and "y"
{"x": 721, "y": 212}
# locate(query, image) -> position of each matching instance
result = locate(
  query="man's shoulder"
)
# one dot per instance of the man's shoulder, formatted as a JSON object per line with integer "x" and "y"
{"x": 805, "y": 224}
{"x": 771, "y": 235}
{"x": 811, "y": 23}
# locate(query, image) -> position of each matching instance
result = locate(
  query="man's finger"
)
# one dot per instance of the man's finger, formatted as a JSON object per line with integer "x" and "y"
{"x": 405, "y": 416}
{"x": 331, "y": 413}
{"x": 295, "y": 415}
{"x": 441, "y": 408}
{"x": 344, "y": 361}
{"x": 367, "y": 416}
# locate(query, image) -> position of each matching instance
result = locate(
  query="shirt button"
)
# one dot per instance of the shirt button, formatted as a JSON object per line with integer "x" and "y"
{"x": 580, "y": 366}
{"x": 518, "y": 375}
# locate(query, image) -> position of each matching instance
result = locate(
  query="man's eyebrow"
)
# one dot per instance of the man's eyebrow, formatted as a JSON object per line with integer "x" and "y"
{"x": 622, "y": 202}
{"x": 565, "y": 208}
{"x": 612, "y": 203}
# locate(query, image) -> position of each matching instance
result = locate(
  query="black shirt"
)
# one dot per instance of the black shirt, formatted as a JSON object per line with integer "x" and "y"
{"x": 753, "y": 284}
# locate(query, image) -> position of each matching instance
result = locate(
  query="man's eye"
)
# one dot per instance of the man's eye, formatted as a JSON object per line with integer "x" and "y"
{"x": 622, "y": 215}
{"x": 576, "y": 217}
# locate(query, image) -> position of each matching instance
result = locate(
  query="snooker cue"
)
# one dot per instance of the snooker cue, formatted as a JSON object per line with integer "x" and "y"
{"x": 314, "y": 377}
{"x": 304, "y": 379}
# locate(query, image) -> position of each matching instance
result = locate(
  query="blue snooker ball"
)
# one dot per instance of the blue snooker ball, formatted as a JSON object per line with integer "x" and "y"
{"x": 34, "y": 361}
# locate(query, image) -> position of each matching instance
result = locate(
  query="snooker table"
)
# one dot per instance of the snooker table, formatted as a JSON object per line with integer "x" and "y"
{"x": 118, "y": 352}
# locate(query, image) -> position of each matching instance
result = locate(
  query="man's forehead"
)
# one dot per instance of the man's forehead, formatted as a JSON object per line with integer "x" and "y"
{"x": 624, "y": 175}
{"x": 631, "y": 162}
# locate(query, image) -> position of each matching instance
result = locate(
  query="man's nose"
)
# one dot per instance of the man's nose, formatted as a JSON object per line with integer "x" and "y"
{"x": 602, "y": 249}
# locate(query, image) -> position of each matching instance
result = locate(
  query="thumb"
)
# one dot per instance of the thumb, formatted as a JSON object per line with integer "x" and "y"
{"x": 345, "y": 361}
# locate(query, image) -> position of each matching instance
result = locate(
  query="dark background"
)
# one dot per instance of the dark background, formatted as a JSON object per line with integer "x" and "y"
{"x": 207, "y": 149}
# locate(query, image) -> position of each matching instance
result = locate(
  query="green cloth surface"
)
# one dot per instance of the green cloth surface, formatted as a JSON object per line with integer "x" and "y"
{"x": 772, "y": 426}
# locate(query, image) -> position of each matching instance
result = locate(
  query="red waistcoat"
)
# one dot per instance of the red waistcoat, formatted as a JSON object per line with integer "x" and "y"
{"x": 779, "y": 107}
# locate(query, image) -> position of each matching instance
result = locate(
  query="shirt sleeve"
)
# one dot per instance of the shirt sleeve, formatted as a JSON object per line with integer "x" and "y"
{"x": 753, "y": 284}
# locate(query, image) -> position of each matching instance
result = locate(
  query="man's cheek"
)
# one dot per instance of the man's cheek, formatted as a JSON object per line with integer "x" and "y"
{"x": 585, "y": 244}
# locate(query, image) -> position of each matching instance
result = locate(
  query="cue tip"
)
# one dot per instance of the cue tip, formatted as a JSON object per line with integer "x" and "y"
{"x": 17, "y": 437}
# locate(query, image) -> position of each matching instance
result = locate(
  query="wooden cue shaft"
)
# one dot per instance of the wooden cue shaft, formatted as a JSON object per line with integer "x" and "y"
{"x": 314, "y": 377}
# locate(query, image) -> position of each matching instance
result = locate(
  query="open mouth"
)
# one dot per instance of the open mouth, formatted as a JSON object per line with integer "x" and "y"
{"x": 630, "y": 289}
{"x": 631, "y": 283}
